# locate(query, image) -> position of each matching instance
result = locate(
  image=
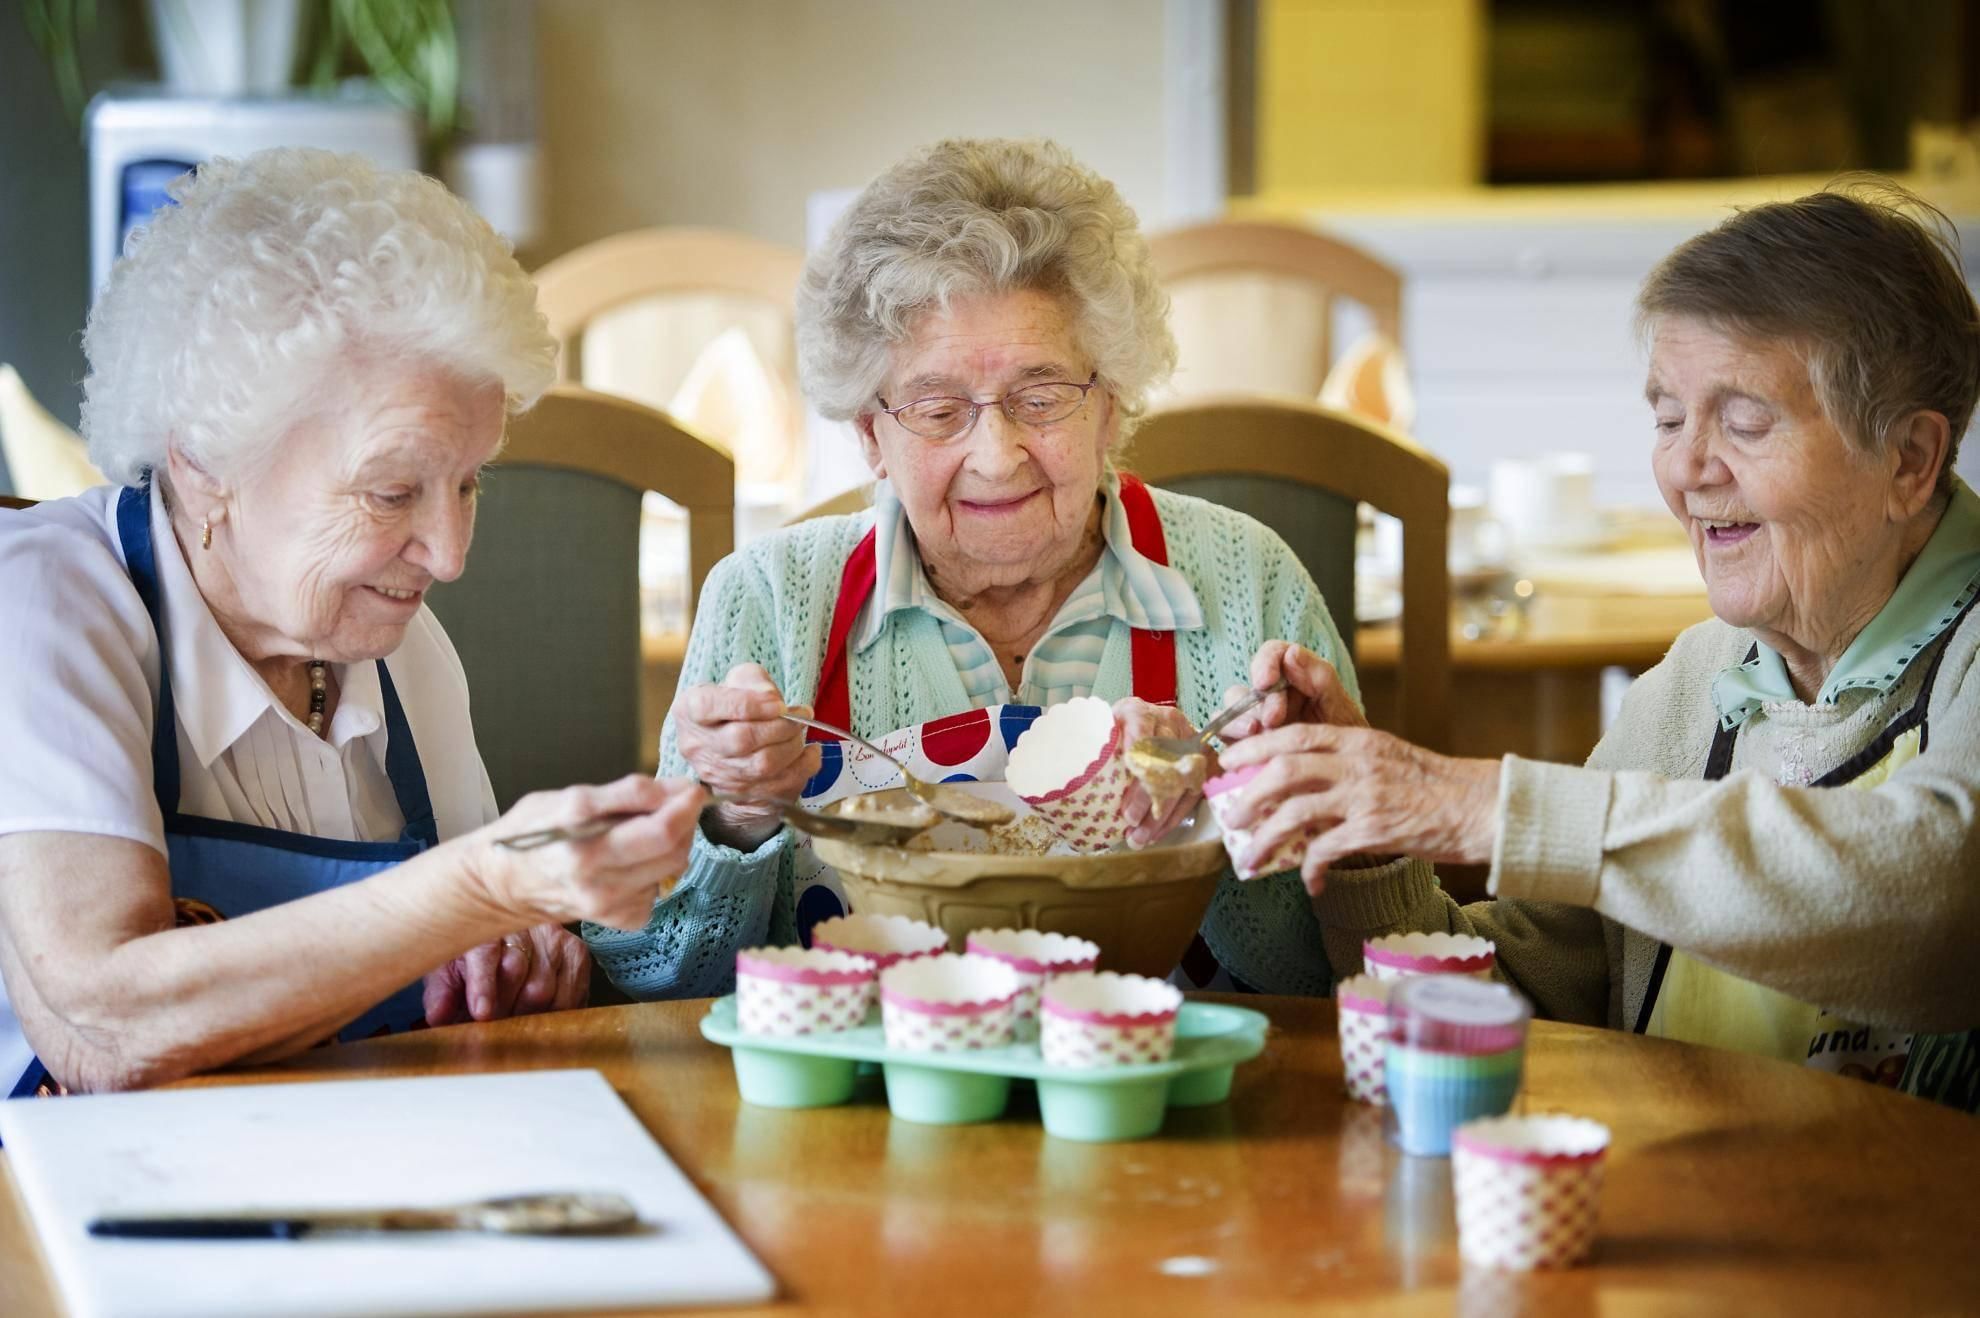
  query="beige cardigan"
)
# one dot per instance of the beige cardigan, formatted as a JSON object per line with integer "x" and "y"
{"x": 1864, "y": 901}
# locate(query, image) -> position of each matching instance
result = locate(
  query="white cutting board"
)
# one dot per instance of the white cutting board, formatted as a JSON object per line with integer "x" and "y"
{"x": 364, "y": 1142}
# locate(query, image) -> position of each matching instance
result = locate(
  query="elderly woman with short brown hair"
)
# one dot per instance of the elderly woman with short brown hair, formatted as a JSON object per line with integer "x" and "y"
{"x": 1774, "y": 848}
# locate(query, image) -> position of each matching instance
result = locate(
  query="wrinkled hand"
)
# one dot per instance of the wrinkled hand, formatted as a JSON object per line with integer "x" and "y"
{"x": 1140, "y": 719}
{"x": 612, "y": 879}
{"x": 1366, "y": 793}
{"x": 733, "y": 738}
{"x": 538, "y": 969}
{"x": 1313, "y": 693}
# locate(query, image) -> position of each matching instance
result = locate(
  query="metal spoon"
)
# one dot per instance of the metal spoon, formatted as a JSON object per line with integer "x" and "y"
{"x": 864, "y": 832}
{"x": 523, "y": 1214}
{"x": 1163, "y": 751}
{"x": 946, "y": 798}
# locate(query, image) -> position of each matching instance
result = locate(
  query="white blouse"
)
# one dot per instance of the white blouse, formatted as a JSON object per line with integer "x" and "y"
{"x": 79, "y": 667}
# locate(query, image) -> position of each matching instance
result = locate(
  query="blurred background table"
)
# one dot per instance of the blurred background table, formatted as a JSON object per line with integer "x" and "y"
{"x": 1735, "y": 1185}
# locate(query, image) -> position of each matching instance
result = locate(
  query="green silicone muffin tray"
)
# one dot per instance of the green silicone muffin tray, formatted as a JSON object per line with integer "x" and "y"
{"x": 1102, "y": 1103}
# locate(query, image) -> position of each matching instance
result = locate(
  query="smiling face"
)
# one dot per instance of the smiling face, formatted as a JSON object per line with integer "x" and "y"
{"x": 1794, "y": 527}
{"x": 1003, "y": 503}
{"x": 327, "y": 552}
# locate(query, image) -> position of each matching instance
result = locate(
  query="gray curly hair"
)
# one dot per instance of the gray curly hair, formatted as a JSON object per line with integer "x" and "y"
{"x": 979, "y": 216}
{"x": 236, "y": 308}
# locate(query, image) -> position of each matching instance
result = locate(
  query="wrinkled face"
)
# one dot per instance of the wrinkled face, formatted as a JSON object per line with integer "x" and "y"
{"x": 1788, "y": 519}
{"x": 1004, "y": 502}
{"x": 331, "y": 547}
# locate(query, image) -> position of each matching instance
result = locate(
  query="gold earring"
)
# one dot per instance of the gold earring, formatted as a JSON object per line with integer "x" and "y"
{"x": 205, "y": 533}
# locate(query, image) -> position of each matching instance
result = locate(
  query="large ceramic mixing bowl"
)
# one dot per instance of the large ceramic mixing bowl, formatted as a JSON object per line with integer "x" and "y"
{"x": 1141, "y": 907}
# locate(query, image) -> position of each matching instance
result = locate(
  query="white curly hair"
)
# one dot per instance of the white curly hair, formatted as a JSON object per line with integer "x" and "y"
{"x": 973, "y": 216}
{"x": 234, "y": 310}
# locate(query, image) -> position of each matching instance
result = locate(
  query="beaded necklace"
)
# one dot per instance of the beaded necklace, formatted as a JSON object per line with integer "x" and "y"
{"x": 319, "y": 695}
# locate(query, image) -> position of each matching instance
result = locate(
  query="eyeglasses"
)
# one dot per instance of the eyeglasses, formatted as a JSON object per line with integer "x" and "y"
{"x": 1034, "y": 405}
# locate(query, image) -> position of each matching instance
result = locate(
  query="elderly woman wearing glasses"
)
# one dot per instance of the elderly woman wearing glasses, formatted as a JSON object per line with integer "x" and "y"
{"x": 1774, "y": 849}
{"x": 986, "y": 317}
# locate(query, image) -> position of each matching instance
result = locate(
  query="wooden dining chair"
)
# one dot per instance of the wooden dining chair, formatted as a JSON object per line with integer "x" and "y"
{"x": 858, "y": 499}
{"x": 1252, "y": 304}
{"x": 1302, "y": 469}
{"x": 633, "y": 314}
{"x": 547, "y": 616}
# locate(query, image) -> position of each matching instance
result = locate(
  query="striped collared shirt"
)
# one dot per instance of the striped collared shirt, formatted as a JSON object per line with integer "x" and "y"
{"x": 1123, "y": 585}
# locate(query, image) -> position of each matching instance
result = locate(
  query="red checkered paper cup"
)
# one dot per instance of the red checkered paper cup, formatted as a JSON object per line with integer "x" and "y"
{"x": 1225, "y": 791}
{"x": 1037, "y": 956}
{"x": 1067, "y": 766}
{"x": 948, "y": 1004}
{"x": 796, "y": 990}
{"x": 1099, "y": 1018}
{"x": 1363, "y": 1003}
{"x": 1398, "y": 956}
{"x": 1528, "y": 1190}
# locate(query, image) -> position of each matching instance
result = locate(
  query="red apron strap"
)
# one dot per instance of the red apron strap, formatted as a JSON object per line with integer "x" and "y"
{"x": 1154, "y": 653}
{"x": 855, "y": 588}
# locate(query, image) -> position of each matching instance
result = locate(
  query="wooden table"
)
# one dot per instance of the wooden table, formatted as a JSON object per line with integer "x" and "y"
{"x": 1735, "y": 1185}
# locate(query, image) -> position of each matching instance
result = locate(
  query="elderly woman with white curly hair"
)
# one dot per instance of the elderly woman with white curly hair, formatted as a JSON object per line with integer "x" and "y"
{"x": 986, "y": 316}
{"x": 241, "y": 808}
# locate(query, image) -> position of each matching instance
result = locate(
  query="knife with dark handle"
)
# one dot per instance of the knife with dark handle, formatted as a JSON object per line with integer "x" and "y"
{"x": 526, "y": 1214}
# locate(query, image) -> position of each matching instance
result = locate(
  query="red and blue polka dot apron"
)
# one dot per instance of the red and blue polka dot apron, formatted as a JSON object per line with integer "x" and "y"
{"x": 972, "y": 746}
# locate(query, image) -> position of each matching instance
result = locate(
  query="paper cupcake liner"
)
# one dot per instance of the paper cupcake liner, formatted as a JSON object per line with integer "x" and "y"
{"x": 1036, "y": 955}
{"x": 1363, "y": 1006}
{"x": 1432, "y": 1094}
{"x": 1065, "y": 1041}
{"x": 1528, "y": 1190}
{"x": 948, "y": 1003}
{"x": 885, "y": 940}
{"x": 1398, "y": 956}
{"x": 792, "y": 990}
{"x": 1086, "y": 812}
{"x": 1084, "y": 808}
{"x": 1225, "y": 791}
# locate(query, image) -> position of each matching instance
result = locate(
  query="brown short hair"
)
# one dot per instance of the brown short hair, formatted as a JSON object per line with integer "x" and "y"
{"x": 1864, "y": 279}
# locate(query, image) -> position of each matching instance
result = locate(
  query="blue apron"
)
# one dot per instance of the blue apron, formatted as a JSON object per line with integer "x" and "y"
{"x": 221, "y": 869}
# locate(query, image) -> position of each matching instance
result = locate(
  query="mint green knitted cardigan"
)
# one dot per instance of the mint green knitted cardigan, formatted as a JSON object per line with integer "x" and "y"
{"x": 772, "y": 603}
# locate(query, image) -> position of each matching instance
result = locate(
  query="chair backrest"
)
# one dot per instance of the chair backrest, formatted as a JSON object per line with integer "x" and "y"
{"x": 1279, "y": 281}
{"x": 857, "y": 499}
{"x": 695, "y": 319}
{"x": 9, "y": 501}
{"x": 547, "y": 616}
{"x": 1301, "y": 469}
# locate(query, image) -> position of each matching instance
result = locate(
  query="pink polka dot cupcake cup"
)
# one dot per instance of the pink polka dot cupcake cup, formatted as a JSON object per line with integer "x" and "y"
{"x": 1036, "y": 956}
{"x": 948, "y": 1004}
{"x": 885, "y": 940}
{"x": 1225, "y": 791}
{"x": 1529, "y": 1190}
{"x": 1399, "y": 956}
{"x": 1068, "y": 768}
{"x": 1097, "y": 1018}
{"x": 796, "y": 990}
{"x": 1363, "y": 1004}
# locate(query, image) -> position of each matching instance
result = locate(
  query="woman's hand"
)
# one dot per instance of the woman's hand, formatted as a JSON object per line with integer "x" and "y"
{"x": 612, "y": 879}
{"x": 542, "y": 968}
{"x": 1140, "y": 719}
{"x": 733, "y": 738}
{"x": 1363, "y": 792}
{"x": 1313, "y": 693}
